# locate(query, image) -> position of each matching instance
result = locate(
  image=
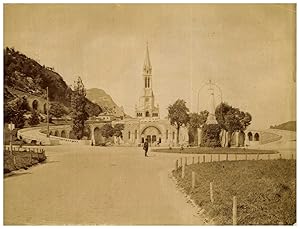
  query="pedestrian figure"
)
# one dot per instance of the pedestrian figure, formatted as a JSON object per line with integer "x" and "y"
{"x": 146, "y": 146}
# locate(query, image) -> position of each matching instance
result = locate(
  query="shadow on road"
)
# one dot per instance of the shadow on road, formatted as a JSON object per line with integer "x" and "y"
{"x": 13, "y": 174}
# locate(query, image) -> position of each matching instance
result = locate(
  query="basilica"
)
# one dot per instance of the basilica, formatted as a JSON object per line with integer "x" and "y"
{"x": 147, "y": 123}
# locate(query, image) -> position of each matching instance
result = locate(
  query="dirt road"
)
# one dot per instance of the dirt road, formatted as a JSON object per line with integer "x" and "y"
{"x": 96, "y": 185}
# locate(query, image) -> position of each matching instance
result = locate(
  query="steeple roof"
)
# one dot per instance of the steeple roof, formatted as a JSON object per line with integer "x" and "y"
{"x": 147, "y": 63}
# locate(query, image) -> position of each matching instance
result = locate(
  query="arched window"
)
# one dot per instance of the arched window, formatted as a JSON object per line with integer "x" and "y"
{"x": 135, "y": 134}
{"x": 256, "y": 137}
{"x": 167, "y": 134}
{"x": 128, "y": 134}
{"x": 147, "y": 114}
{"x": 146, "y": 82}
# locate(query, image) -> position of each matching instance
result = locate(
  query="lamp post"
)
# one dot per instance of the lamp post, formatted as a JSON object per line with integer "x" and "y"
{"x": 47, "y": 114}
{"x": 11, "y": 126}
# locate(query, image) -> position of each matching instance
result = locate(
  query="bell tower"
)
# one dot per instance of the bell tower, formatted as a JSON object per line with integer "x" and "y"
{"x": 146, "y": 108}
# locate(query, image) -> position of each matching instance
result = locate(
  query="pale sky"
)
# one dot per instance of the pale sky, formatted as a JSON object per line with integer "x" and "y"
{"x": 247, "y": 49}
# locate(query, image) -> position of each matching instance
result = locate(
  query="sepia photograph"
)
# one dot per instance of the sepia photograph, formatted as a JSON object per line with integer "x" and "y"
{"x": 149, "y": 114}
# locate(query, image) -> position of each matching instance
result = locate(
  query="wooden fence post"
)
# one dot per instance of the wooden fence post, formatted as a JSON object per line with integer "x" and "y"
{"x": 227, "y": 157}
{"x": 176, "y": 165}
{"x": 234, "y": 211}
{"x": 246, "y": 157}
{"x": 211, "y": 159}
{"x": 235, "y": 157}
{"x": 185, "y": 160}
{"x": 203, "y": 158}
{"x": 198, "y": 159}
{"x": 180, "y": 162}
{"x": 218, "y": 157}
{"x": 211, "y": 192}
{"x": 257, "y": 157}
{"x": 269, "y": 156}
{"x": 193, "y": 160}
{"x": 193, "y": 180}
{"x": 182, "y": 171}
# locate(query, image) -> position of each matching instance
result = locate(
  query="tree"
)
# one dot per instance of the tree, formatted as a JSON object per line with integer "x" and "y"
{"x": 118, "y": 129}
{"x": 107, "y": 130}
{"x": 14, "y": 111}
{"x": 178, "y": 115}
{"x": 57, "y": 110}
{"x": 34, "y": 119}
{"x": 78, "y": 104}
{"x": 231, "y": 119}
{"x": 196, "y": 121}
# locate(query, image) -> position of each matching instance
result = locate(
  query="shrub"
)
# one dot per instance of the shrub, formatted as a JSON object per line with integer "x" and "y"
{"x": 211, "y": 135}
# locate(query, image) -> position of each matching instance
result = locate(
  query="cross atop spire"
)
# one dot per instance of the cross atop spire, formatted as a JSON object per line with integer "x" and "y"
{"x": 147, "y": 64}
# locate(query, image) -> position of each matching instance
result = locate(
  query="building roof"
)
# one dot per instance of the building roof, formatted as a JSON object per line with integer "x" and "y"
{"x": 147, "y": 63}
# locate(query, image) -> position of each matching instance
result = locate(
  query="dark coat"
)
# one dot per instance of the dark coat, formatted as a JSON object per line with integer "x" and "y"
{"x": 146, "y": 146}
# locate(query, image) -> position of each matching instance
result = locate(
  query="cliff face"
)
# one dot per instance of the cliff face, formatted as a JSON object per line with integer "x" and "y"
{"x": 100, "y": 97}
{"x": 23, "y": 75}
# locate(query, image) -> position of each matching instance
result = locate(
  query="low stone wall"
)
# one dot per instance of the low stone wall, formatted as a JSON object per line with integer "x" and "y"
{"x": 24, "y": 135}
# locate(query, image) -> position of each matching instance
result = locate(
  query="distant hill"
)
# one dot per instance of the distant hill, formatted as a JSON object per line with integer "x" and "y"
{"x": 291, "y": 126}
{"x": 105, "y": 101}
{"x": 25, "y": 76}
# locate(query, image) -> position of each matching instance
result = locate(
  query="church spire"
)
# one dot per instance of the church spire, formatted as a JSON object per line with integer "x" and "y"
{"x": 147, "y": 64}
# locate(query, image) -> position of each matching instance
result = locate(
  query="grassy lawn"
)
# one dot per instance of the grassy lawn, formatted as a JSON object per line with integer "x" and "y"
{"x": 265, "y": 190}
{"x": 207, "y": 150}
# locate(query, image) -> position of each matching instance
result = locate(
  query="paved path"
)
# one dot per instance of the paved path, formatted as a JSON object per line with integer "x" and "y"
{"x": 97, "y": 185}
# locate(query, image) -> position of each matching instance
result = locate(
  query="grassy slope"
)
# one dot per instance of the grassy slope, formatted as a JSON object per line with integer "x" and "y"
{"x": 221, "y": 150}
{"x": 291, "y": 126}
{"x": 266, "y": 190}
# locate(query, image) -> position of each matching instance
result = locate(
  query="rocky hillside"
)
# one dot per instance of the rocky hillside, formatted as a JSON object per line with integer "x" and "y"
{"x": 291, "y": 126}
{"x": 105, "y": 101}
{"x": 23, "y": 75}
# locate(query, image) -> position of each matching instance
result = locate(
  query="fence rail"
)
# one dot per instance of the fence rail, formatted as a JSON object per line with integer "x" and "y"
{"x": 23, "y": 149}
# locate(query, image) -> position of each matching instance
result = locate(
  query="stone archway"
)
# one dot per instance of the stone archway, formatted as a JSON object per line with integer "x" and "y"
{"x": 63, "y": 134}
{"x": 35, "y": 104}
{"x": 72, "y": 135}
{"x": 241, "y": 138}
{"x": 50, "y": 132}
{"x": 99, "y": 139}
{"x": 56, "y": 133}
{"x": 256, "y": 137}
{"x": 152, "y": 134}
{"x": 250, "y": 136}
